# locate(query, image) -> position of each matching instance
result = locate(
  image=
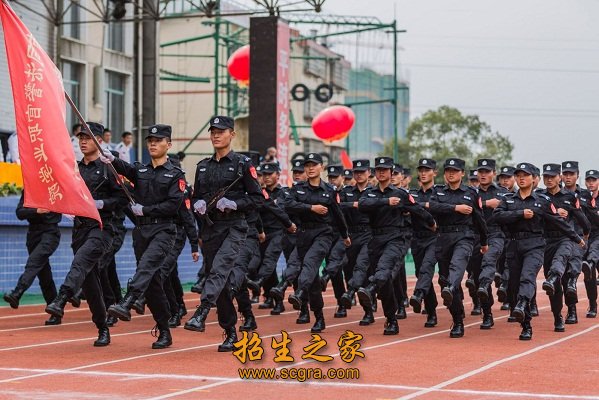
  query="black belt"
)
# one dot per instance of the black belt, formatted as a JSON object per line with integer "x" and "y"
{"x": 359, "y": 228}
{"x": 390, "y": 229}
{"x": 80, "y": 223}
{"x": 493, "y": 229}
{"x": 313, "y": 225}
{"x": 154, "y": 220}
{"x": 42, "y": 227}
{"x": 554, "y": 234}
{"x": 227, "y": 216}
{"x": 454, "y": 228}
{"x": 525, "y": 235}
{"x": 423, "y": 234}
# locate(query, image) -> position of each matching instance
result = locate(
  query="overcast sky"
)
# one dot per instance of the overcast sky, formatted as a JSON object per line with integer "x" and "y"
{"x": 530, "y": 68}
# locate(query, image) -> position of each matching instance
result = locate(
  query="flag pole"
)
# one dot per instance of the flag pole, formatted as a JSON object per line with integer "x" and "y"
{"x": 110, "y": 166}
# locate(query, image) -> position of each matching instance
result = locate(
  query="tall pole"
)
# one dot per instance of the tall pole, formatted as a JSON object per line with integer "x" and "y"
{"x": 395, "y": 116}
{"x": 216, "y": 58}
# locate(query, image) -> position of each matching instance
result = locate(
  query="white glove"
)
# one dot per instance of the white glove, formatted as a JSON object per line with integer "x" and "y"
{"x": 106, "y": 157}
{"x": 200, "y": 207}
{"x": 99, "y": 204}
{"x": 137, "y": 209}
{"x": 225, "y": 203}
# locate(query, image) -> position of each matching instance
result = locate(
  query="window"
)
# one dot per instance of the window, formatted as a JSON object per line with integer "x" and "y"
{"x": 71, "y": 78}
{"x": 114, "y": 104}
{"x": 71, "y": 26}
{"x": 116, "y": 36}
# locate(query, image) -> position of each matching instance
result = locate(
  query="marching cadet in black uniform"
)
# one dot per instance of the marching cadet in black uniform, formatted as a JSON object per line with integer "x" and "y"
{"x": 591, "y": 258}
{"x": 400, "y": 279}
{"x": 90, "y": 241}
{"x": 111, "y": 286}
{"x": 359, "y": 228}
{"x": 348, "y": 177}
{"x": 490, "y": 195}
{"x": 558, "y": 248}
{"x": 570, "y": 174}
{"x": 385, "y": 205}
{"x": 316, "y": 203}
{"x": 159, "y": 189}
{"x": 43, "y": 238}
{"x": 222, "y": 241}
{"x": 336, "y": 262}
{"x": 476, "y": 258}
{"x": 458, "y": 211}
{"x": 507, "y": 181}
{"x": 423, "y": 246}
{"x": 523, "y": 216}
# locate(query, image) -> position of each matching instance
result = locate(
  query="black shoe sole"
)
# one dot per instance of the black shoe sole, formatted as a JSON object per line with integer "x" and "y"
{"x": 193, "y": 328}
{"x": 416, "y": 305}
{"x": 139, "y": 311}
{"x": 487, "y": 327}
{"x": 12, "y": 301}
{"x": 253, "y": 286}
{"x": 344, "y": 315}
{"x": 447, "y": 297}
{"x": 501, "y": 296}
{"x": 559, "y": 329}
{"x": 525, "y": 338}
{"x": 504, "y": 307}
{"x": 277, "y": 294}
{"x": 570, "y": 322}
{"x": 101, "y": 344}
{"x": 345, "y": 302}
{"x": 273, "y": 312}
{"x": 117, "y": 314}
{"x": 548, "y": 288}
{"x": 591, "y": 315}
{"x": 57, "y": 312}
{"x": 456, "y": 335}
{"x": 248, "y": 329}
{"x": 572, "y": 296}
{"x": 476, "y": 312}
{"x": 470, "y": 284}
{"x": 227, "y": 349}
{"x": 365, "y": 323}
{"x": 427, "y": 325}
{"x": 302, "y": 322}
{"x": 518, "y": 315}
{"x": 316, "y": 330}
{"x": 389, "y": 333}
{"x": 364, "y": 299}
{"x": 483, "y": 295}
{"x": 401, "y": 316}
{"x": 160, "y": 346}
{"x": 534, "y": 313}
{"x": 295, "y": 302}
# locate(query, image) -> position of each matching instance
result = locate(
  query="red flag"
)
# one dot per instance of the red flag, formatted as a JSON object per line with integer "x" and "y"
{"x": 345, "y": 160}
{"x": 50, "y": 173}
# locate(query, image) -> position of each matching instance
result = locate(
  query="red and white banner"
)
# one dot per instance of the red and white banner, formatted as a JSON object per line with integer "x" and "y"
{"x": 283, "y": 101}
{"x": 50, "y": 174}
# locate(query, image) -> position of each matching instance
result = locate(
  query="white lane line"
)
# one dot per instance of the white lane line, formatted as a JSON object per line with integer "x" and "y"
{"x": 498, "y": 362}
{"x": 221, "y": 379}
{"x": 70, "y": 310}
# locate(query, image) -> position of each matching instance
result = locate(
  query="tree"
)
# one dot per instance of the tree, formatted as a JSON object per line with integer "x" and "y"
{"x": 446, "y": 132}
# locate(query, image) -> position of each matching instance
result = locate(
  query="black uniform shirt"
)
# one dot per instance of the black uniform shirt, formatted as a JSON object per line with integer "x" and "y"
{"x": 568, "y": 201}
{"x": 353, "y": 216}
{"x": 273, "y": 215}
{"x": 31, "y": 215}
{"x": 421, "y": 197}
{"x": 103, "y": 186}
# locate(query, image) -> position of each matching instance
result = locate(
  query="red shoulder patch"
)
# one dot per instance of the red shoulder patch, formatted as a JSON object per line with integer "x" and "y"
{"x": 338, "y": 199}
{"x": 182, "y": 185}
{"x": 593, "y": 202}
{"x": 577, "y": 203}
{"x": 480, "y": 203}
{"x": 188, "y": 204}
{"x": 411, "y": 199}
{"x": 265, "y": 194}
{"x": 553, "y": 210}
{"x": 253, "y": 172}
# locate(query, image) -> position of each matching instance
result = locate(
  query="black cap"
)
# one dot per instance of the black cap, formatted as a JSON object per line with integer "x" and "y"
{"x": 159, "y": 131}
{"x": 507, "y": 170}
{"x": 552, "y": 169}
{"x": 486, "y": 163}
{"x": 526, "y": 167}
{"x": 361, "y": 165}
{"x": 454, "y": 163}
{"x": 473, "y": 175}
{"x": 348, "y": 173}
{"x": 334, "y": 170}
{"x": 407, "y": 171}
{"x": 259, "y": 169}
{"x": 270, "y": 168}
{"x": 592, "y": 173}
{"x": 570, "y": 166}
{"x": 222, "y": 122}
{"x": 313, "y": 157}
{"x": 383, "y": 162}
{"x": 96, "y": 128}
{"x": 537, "y": 171}
{"x": 427, "y": 163}
{"x": 397, "y": 168}
{"x": 297, "y": 165}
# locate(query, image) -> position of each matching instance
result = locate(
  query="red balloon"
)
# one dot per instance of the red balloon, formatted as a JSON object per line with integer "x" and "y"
{"x": 333, "y": 123}
{"x": 239, "y": 65}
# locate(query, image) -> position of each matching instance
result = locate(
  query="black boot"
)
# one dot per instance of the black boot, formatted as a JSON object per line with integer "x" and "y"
{"x": 550, "y": 284}
{"x": 502, "y": 293}
{"x": 571, "y": 292}
{"x": 367, "y": 296}
{"x": 182, "y": 310}
{"x": 53, "y": 320}
{"x": 174, "y": 321}
{"x": 457, "y": 329}
{"x": 278, "y": 308}
{"x": 587, "y": 269}
{"x": 534, "y": 310}
{"x": 164, "y": 338}
{"x": 483, "y": 292}
{"x": 249, "y": 322}
{"x": 347, "y": 298}
{"x": 505, "y": 306}
{"x": 13, "y": 297}
{"x": 122, "y": 310}
{"x": 103, "y": 337}
{"x": 401, "y": 313}
{"x": 56, "y": 308}
{"x": 447, "y": 295}
{"x": 256, "y": 285}
{"x": 471, "y": 285}
{"x": 431, "y": 320}
{"x": 268, "y": 304}
{"x": 324, "y": 281}
{"x": 198, "y": 287}
{"x": 197, "y": 322}
{"x": 139, "y": 306}
{"x": 476, "y": 309}
{"x": 391, "y": 327}
{"x": 487, "y": 320}
{"x": 519, "y": 312}
{"x": 304, "y": 315}
{"x": 572, "y": 317}
{"x": 416, "y": 301}
{"x": 296, "y": 299}
{"x": 368, "y": 317}
{"x": 75, "y": 300}
{"x": 278, "y": 292}
{"x": 592, "y": 312}
{"x": 111, "y": 321}
{"x": 319, "y": 324}
{"x": 526, "y": 333}
{"x": 341, "y": 312}
{"x": 558, "y": 323}
{"x": 497, "y": 279}
{"x": 230, "y": 340}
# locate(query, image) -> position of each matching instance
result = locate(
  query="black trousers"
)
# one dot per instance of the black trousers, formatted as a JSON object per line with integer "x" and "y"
{"x": 89, "y": 245}
{"x": 271, "y": 251}
{"x": 152, "y": 244}
{"x": 111, "y": 286}
{"x": 423, "y": 251}
{"x": 313, "y": 245}
{"x": 222, "y": 244}
{"x": 247, "y": 260}
{"x": 170, "y": 278}
{"x": 336, "y": 265}
{"x": 357, "y": 259}
{"x": 42, "y": 242}
{"x": 592, "y": 256}
{"x": 485, "y": 273}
